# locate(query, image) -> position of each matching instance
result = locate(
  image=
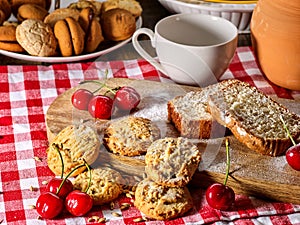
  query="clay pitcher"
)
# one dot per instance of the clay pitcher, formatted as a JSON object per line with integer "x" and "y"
{"x": 275, "y": 34}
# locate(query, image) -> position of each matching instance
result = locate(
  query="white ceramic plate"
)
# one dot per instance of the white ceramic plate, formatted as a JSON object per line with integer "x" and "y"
{"x": 59, "y": 59}
{"x": 238, "y": 14}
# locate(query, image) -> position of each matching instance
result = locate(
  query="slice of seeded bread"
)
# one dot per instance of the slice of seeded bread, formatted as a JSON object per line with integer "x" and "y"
{"x": 190, "y": 115}
{"x": 253, "y": 117}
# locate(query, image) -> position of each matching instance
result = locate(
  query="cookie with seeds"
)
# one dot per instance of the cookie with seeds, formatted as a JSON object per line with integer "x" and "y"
{"x": 76, "y": 143}
{"x": 172, "y": 161}
{"x": 162, "y": 202}
{"x": 130, "y": 136}
{"x": 106, "y": 184}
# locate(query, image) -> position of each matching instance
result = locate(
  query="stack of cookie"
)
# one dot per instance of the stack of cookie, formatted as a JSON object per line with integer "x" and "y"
{"x": 77, "y": 29}
{"x": 78, "y": 144}
{"x": 170, "y": 165}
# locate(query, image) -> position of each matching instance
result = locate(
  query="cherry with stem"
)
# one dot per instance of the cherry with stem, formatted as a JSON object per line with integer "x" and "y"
{"x": 292, "y": 154}
{"x": 60, "y": 186}
{"x": 79, "y": 203}
{"x": 220, "y": 196}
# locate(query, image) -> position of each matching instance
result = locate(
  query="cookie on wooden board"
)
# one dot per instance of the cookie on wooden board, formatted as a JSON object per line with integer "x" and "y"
{"x": 106, "y": 184}
{"x": 76, "y": 143}
{"x": 172, "y": 161}
{"x": 161, "y": 202}
{"x": 130, "y": 136}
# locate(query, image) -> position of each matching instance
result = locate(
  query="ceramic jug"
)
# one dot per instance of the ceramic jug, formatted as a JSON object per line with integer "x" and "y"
{"x": 275, "y": 35}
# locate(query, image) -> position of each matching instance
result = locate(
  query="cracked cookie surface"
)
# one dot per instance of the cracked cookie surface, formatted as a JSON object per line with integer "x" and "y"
{"x": 161, "y": 202}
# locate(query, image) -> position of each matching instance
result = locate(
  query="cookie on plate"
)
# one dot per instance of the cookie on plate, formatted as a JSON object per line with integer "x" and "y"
{"x": 5, "y": 10}
{"x": 82, "y": 4}
{"x": 132, "y": 6}
{"x": 15, "y": 4}
{"x": 130, "y": 136}
{"x": 8, "y": 40}
{"x": 161, "y": 202}
{"x": 31, "y": 11}
{"x": 172, "y": 161}
{"x": 76, "y": 143}
{"x": 61, "y": 14}
{"x": 106, "y": 184}
{"x": 36, "y": 37}
{"x": 93, "y": 32}
{"x": 117, "y": 24}
{"x": 70, "y": 36}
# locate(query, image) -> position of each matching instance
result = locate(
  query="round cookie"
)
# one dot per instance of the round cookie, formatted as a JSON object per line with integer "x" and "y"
{"x": 117, "y": 24}
{"x": 132, "y": 6}
{"x": 92, "y": 28}
{"x": 172, "y": 161}
{"x": 8, "y": 39}
{"x": 161, "y": 202}
{"x": 61, "y": 14}
{"x": 70, "y": 36}
{"x": 106, "y": 184}
{"x": 15, "y": 4}
{"x": 75, "y": 142}
{"x": 130, "y": 136}
{"x": 5, "y": 9}
{"x": 31, "y": 11}
{"x": 82, "y": 4}
{"x": 63, "y": 36}
{"x": 36, "y": 37}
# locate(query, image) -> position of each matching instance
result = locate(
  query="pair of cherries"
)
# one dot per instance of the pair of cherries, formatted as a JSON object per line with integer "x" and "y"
{"x": 60, "y": 194}
{"x": 101, "y": 106}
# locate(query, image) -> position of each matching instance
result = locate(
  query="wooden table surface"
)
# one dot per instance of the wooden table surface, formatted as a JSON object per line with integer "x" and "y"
{"x": 153, "y": 11}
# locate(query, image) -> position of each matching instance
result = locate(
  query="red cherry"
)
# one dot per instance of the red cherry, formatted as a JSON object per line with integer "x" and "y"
{"x": 100, "y": 107}
{"x": 81, "y": 98}
{"x": 78, "y": 203}
{"x": 220, "y": 196}
{"x": 127, "y": 98}
{"x": 293, "y": 156}
{"x": 54, "y": 184}
{"x": 49, "y": 205}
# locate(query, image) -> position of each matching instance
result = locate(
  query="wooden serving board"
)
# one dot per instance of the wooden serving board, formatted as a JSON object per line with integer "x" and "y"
{"x": 251, "y": 173}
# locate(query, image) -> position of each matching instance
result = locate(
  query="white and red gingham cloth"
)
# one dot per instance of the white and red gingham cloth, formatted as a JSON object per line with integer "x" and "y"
{"x": 27, "y": 91}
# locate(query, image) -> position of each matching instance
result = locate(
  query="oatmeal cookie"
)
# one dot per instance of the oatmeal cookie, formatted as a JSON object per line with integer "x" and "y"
{"x": 172, "y": 161}
{"x": 106, "y": 184}
{"x": 130, "y": 135}
{"x": 161, "y": 202}
{"x": 75, "y": 143}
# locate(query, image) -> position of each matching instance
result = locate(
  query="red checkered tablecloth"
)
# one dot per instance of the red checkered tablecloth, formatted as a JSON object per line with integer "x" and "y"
{"x": 26, "y": 92}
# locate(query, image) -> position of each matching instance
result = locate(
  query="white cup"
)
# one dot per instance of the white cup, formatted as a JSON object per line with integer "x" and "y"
{"x": 192, "y": 49}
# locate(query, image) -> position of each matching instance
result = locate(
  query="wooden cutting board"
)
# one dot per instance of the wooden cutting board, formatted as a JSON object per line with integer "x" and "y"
{"x": 251, "y": 173}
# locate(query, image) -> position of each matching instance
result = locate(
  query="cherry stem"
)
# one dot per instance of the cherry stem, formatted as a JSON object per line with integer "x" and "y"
{"x": 69, "y": 174}
{"x": 227, "y": 161}
{"x": 90, "y": 177}
{"x": 61, "y": 159}
{"x": 287, "y": 130}
{"x": 102, "y": 85}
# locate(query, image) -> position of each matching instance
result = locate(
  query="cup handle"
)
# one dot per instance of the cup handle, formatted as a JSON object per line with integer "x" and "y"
{"x": 142, "y": 52}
